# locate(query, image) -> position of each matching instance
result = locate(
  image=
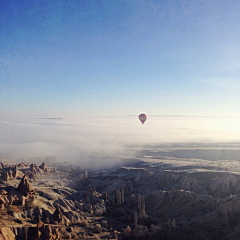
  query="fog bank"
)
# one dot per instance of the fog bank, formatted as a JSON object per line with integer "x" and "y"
{"x": 85, "y": 140}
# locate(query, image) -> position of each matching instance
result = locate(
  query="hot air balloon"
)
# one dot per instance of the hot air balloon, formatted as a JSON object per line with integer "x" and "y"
{"x": 142, "y": 117}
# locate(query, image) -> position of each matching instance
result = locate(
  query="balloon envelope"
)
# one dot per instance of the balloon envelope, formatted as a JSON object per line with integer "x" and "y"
{"x": 142, "y": 117}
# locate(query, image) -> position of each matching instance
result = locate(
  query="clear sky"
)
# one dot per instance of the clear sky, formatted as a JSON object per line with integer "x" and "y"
{"x": 108, "y": 58}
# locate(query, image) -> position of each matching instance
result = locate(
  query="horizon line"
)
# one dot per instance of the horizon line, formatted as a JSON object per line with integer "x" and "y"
{"x": 132, "y": 115}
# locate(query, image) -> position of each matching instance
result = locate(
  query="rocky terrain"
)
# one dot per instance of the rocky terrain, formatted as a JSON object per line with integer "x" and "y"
{"x": 149, "y": 197}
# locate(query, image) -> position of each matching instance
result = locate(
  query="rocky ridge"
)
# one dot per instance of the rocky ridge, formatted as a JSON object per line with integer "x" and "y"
{"x": 139, "y": 201}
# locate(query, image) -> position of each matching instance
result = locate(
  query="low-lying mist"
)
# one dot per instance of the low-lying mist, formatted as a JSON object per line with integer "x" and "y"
{"x": 88, "y": 141}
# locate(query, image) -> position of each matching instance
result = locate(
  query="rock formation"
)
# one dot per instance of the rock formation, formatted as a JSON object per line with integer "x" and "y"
{"x": 135, "y": 201}
{"x": 6, "y": 233}
{"x": 25, "y": 188}
{"x": 59, "y": 217}
{"x": 44, "y": 167}
{"x": 45, "y": 232}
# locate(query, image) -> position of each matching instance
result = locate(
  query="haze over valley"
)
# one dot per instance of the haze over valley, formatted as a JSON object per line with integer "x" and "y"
{"x": 114, "y": 178}
{"x": 80, "y": 139}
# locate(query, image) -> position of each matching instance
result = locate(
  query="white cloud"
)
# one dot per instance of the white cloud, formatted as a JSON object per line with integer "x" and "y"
{"x": 82, "y": 140}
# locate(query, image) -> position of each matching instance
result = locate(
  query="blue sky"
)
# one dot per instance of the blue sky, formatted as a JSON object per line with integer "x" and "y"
{"x": 109, "y": 58}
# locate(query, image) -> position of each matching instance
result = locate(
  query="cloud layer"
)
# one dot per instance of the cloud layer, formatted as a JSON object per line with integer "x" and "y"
{"x": 88, "y": 140}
